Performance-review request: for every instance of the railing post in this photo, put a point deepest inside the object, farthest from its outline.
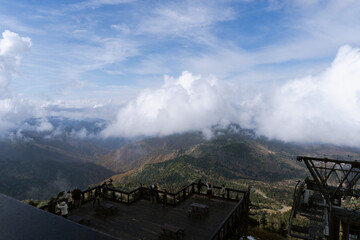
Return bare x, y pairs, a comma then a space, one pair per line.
247, 203
228, 193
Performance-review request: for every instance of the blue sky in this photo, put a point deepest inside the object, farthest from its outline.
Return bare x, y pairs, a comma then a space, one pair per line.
81, 46
108, 54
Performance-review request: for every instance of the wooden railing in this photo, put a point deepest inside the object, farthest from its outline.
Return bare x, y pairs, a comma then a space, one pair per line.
172, 198
114, 194
236, 221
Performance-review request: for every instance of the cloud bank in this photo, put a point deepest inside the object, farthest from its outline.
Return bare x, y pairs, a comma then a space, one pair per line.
321, 108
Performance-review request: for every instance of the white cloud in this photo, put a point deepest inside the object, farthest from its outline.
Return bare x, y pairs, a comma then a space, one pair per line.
6, 106
16, 136
189, 19
184, 104
113, 72
82, 133
38, 125
101, 53
123, 28
12, 47
319, 108
98, 3
113, 50
44, 125
81, 109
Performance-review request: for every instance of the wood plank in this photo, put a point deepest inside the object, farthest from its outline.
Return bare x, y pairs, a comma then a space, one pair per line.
143, 220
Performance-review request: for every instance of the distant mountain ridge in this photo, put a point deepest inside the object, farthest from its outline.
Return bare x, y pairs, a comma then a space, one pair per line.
233, 154
217, 159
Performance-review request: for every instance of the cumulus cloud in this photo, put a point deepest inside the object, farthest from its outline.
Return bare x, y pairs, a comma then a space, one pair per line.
81, 134
44, 125
12, 47
190, 102
323, 108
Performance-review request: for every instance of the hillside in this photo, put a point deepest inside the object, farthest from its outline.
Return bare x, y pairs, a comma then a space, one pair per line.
39, 164
41, 179
217, 161
33, 170
235, 158
247, 153
151, 150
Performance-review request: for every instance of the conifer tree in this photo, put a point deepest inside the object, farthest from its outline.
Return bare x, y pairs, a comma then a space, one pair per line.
282, 229
263, 220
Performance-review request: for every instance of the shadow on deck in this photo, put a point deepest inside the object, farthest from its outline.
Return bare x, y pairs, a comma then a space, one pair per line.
144, 220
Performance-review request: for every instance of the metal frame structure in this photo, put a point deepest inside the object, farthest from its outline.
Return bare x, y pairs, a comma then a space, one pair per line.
317, 201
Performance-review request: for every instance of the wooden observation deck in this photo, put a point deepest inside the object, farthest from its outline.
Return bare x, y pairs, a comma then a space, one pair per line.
131, 215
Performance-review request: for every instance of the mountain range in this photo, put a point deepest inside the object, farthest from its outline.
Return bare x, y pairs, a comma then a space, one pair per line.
56, 154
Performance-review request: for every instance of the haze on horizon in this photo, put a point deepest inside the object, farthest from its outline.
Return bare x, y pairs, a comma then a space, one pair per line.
290, 70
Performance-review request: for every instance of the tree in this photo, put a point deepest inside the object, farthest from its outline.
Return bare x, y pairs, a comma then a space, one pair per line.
282, 229
263, 220
33, 203
60, 195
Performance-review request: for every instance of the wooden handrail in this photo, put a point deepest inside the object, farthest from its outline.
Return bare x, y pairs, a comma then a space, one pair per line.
135, 190
217, 234
218, 230
190, 184
174, 196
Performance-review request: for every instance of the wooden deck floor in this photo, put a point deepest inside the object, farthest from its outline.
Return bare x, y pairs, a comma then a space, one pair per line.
143, 220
